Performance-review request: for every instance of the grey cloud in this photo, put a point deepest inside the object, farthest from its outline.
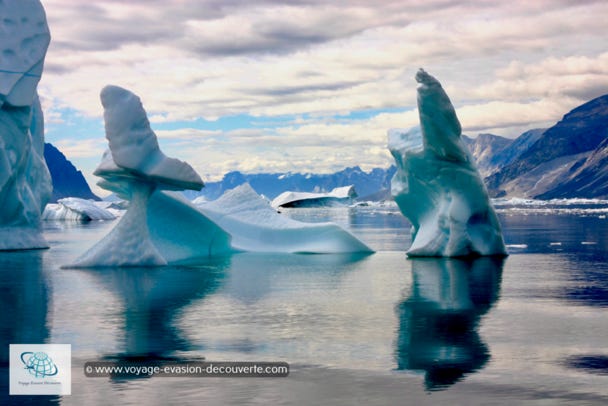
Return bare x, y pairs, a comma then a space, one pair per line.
588, 91
302, 89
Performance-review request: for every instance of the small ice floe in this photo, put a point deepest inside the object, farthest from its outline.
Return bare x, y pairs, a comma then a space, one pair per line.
555, 244
517, 246
588, 243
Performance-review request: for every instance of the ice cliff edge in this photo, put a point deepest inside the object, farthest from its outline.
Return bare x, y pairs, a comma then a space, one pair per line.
25, 182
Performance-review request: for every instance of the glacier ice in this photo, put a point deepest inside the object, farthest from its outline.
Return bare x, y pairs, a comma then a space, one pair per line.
136, 169
339, 195
25, 182
76, 209
437, 185
256, 226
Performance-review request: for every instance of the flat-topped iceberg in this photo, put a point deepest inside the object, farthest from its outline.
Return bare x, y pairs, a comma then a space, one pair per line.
437, 185
256, 226
338, 196
25, 182
76, 209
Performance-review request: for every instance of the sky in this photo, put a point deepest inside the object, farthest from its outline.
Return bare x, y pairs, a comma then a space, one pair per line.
308, 85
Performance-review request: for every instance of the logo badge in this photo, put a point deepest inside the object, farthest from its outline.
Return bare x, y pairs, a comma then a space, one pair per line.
39, 364
40, 369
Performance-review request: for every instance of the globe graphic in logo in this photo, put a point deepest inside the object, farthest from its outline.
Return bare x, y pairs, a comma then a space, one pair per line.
39, 364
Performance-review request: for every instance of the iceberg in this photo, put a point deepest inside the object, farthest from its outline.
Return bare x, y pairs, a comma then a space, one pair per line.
437, 185
76, 209
180, 232
161, 227
25, 182
157, 228
256, 226
338, 196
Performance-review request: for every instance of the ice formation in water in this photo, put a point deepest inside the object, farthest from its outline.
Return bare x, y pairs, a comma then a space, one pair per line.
25, 182
437, 185
255, 226
338, 196
76, 209
136, 169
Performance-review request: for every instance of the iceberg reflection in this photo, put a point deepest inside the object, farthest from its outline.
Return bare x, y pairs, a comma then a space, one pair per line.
25, 303
439, 321
154, 298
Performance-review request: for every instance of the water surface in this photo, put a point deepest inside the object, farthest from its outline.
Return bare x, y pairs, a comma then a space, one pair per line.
374, 329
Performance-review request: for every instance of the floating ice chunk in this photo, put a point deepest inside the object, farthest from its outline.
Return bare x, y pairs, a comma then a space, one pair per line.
156, 229
518, 246
437, 185
25, 182
339, 195
255, 226
75, 209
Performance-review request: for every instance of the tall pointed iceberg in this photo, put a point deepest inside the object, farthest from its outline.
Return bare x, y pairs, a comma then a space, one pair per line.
437, 185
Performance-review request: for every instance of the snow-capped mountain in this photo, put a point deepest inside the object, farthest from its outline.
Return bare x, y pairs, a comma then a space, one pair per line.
273, 184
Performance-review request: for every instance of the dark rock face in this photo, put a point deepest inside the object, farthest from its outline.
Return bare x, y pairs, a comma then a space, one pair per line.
67, 180
575, 146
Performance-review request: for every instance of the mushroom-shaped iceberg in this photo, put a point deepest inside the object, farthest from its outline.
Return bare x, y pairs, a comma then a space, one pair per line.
135, 168
437, 185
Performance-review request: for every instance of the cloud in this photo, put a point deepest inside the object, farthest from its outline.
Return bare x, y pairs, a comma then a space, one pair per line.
300, 67
88, 148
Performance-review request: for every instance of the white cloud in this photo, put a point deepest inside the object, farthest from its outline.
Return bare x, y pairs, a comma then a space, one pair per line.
506, 66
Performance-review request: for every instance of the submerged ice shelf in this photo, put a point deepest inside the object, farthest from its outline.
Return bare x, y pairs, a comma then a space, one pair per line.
437, 185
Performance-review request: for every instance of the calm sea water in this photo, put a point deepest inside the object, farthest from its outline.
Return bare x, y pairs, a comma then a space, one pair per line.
377, 329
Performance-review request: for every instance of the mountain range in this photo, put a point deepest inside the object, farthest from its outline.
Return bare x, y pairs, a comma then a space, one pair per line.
273, 184
567, 160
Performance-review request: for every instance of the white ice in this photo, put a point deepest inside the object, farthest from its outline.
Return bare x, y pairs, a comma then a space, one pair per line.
157, 228
134, 146
343, 194
76, 209
437, 185
25, 182
256, 226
